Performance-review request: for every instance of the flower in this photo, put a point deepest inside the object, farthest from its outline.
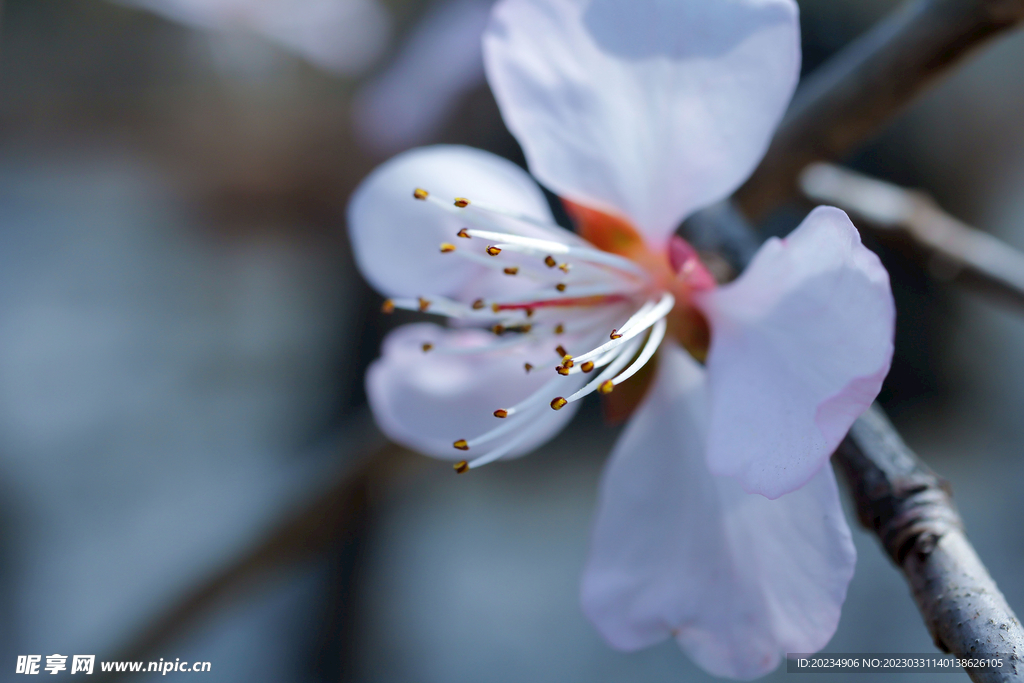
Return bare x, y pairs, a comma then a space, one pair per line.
719, 521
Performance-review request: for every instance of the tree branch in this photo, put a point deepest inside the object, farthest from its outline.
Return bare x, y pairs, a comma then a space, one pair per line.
954, 250
862, 87
911, 511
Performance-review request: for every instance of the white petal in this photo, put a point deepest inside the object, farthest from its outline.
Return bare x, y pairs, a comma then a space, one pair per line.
427, 401
649, 108
736, 578
396, 238
800, 344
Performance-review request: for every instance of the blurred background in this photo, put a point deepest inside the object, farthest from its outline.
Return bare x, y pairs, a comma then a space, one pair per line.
183, 337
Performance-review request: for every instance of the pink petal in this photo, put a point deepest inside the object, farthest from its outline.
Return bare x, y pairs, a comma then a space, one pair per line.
800, 344
427, 401
397, 239
736, 578
645, 109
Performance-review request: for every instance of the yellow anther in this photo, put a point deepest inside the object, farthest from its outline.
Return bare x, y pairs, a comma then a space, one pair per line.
562, 370
564, 267
461, 202
511, 270
560, 286
550, 261
420, 193
464, 233
558, 403
388, 306
427, 346
477, 305
528, 367
424, 304
587, 366
461, 467
498, 329
495, 307
567, 361
500, 413
493, 251
560, 350
529, 312
462, 445
606, 387
615, 335
559, 328
447, 247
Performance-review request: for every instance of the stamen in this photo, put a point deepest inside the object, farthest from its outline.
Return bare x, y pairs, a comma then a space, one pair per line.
639, 325
567, 361
587, 366
498, 329
478, 304
461, 202
558, 403
388, 307
427, 346
528, 367
420, 193
463, 233
493, 251
621, 358
562, 370
613, 335
559, 328
511, 270
560, 286
424, 304
606, 387
501, 413
461, 445
461, 467
550, 261
560, 350
447, 247
565, 267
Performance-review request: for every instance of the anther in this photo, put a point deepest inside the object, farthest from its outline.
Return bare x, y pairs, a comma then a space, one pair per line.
495, 307
420, 193
529, 312
528, 367
559, 328
498, 329
461, 202
562, 370
564, 267
560, 286
424, 304
511, 270
587, 366
615, 335
388, 306
447, 247
427, 346
550, 261
477, 305
462, 445
558, 403
461, 467
493, 251
501, 413
560, 350
464, 233
606, 387
567, 361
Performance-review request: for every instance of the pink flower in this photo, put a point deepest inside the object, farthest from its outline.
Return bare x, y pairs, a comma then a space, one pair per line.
719, 522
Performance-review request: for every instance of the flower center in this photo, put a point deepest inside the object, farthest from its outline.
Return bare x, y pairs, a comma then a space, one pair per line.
602, 305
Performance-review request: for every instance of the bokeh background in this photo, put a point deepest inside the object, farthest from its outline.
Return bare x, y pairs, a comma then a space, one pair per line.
183, 337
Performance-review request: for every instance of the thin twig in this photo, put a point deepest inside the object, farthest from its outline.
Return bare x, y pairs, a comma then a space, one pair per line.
911, 511
954, 249
860, 89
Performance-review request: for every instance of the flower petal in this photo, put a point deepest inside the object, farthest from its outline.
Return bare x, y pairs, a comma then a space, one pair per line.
396, 238
800, 344
736, 578
427, 401
648, 109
